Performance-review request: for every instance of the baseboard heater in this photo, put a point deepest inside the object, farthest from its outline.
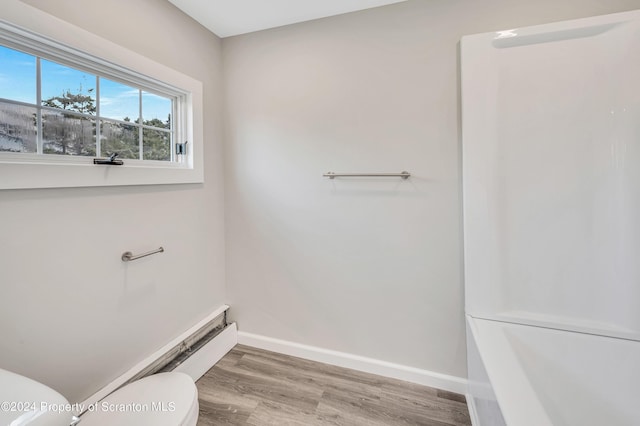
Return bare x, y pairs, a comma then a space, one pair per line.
194, 352
177, 355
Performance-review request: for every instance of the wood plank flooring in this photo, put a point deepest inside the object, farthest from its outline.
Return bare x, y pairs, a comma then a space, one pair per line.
255, 387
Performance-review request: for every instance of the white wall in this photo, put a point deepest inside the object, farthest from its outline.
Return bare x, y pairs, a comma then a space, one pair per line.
72, 315
331, 264
339, 264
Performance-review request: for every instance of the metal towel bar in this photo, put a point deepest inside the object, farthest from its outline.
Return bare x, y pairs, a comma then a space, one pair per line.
403, 175
128, 256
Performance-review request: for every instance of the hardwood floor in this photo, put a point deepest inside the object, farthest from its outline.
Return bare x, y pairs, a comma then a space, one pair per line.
254, 387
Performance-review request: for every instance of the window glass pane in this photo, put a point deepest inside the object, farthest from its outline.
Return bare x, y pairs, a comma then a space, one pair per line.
17, 75
68, 134
121, 138
156, 110
133, 123
156, 145
18, 129
68, 88
119, 101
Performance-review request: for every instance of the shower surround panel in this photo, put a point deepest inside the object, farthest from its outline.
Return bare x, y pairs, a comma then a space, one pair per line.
551, 155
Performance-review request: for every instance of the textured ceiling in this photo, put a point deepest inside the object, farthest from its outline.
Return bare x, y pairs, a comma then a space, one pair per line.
232, 17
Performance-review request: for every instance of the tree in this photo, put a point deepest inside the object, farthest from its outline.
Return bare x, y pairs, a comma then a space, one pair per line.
74, 134
69, 133
121, 138
156, 143
124, 139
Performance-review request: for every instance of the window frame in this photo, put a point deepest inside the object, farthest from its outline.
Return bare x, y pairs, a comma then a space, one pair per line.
79, 49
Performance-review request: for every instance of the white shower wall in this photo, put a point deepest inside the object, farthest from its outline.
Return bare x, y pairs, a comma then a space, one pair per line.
370, 267
551, 120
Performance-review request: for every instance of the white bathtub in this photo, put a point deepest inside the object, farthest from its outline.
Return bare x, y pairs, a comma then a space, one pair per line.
536, 376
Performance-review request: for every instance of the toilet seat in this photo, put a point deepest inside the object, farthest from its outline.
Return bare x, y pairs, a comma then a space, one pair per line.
164, 399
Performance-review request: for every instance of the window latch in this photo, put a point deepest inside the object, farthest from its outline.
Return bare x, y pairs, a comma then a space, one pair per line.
181, 148
109, 161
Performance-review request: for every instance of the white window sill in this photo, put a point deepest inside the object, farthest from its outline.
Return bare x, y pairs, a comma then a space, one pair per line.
16, 175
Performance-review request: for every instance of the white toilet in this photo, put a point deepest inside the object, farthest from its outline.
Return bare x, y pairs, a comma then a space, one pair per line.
165, 399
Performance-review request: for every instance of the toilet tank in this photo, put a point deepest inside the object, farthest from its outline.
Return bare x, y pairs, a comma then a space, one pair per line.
26, 402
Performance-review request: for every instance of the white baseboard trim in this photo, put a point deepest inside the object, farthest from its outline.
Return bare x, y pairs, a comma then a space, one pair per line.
356, 362
207, 356
133, 371
473, 412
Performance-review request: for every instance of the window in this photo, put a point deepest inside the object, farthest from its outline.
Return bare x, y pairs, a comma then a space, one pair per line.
61, 107
50, 108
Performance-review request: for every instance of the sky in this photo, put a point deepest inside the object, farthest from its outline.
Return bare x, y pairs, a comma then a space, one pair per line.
18, 83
